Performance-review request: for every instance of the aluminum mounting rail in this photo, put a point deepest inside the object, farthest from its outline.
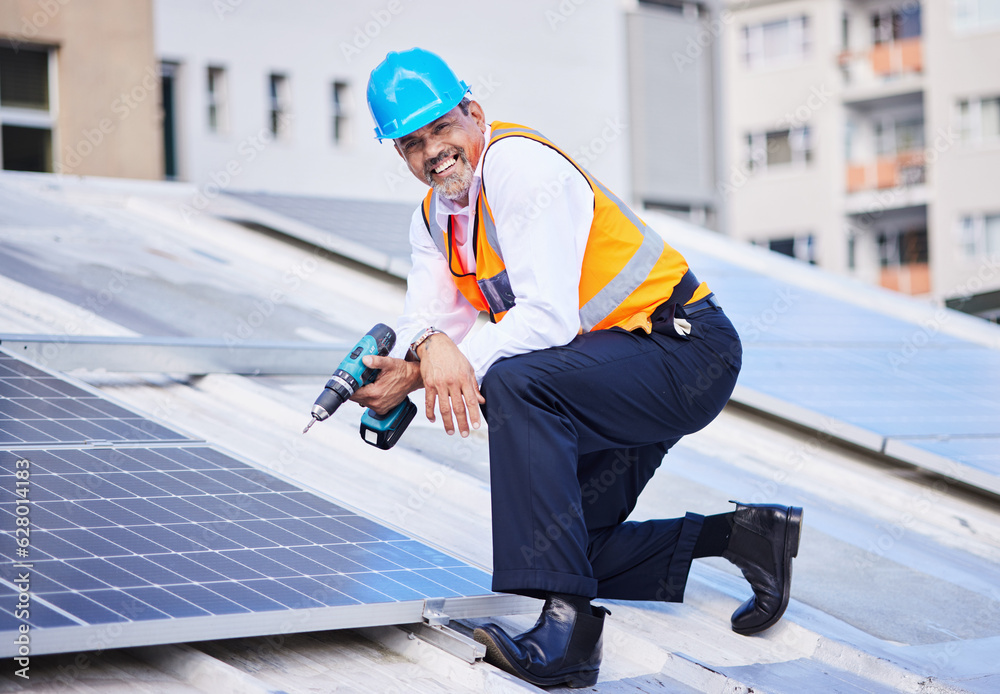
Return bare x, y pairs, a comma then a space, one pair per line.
176, 354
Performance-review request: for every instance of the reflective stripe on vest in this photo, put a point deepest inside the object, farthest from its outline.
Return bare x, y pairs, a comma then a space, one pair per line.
628, 270
490, 292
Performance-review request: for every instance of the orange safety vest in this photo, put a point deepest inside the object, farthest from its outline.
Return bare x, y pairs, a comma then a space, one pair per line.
628, 269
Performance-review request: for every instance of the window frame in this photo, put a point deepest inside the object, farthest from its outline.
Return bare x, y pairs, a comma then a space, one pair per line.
972, 235
217, 99
887, 25
968, 114
758, 148
803, 246
894, 244
340, 117
753, 44
35, 118
279, 107
966, 16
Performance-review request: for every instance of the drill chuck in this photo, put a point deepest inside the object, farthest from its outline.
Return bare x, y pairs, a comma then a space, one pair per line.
338, 390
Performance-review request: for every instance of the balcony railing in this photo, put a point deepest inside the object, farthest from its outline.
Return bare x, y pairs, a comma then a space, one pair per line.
897, 57
887, 171
883, 62
914, 278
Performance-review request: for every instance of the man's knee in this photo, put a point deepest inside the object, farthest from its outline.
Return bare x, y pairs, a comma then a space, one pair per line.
506, 386
509, 377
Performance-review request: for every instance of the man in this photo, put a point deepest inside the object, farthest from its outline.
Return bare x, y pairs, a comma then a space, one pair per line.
603, 350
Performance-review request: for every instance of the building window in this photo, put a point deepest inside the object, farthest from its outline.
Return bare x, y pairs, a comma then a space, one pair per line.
900, 161
903, 259
684, 7
776, 44
976, 14
850, 139
802, 247
909, 134
980, 235
169, 77
24, 79
897, 248
778, 148
218, 100
279, 113
979, 119
341, 112
895, 136
26, 120
895, 25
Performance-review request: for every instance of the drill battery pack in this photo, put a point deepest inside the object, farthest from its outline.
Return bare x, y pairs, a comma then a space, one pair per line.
382, 431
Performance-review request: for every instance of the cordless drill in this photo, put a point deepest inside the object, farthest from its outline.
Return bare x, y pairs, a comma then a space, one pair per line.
381, 431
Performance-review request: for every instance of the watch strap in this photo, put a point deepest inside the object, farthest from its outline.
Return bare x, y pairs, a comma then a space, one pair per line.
420, 340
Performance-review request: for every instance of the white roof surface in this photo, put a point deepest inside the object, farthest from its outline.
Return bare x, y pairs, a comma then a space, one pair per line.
897, 583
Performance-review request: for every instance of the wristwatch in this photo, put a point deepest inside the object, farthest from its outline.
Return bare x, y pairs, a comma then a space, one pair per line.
412, 353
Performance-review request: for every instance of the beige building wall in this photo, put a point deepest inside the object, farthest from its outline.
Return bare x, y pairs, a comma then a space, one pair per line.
796, 199
954, 186
105, 84
965, 176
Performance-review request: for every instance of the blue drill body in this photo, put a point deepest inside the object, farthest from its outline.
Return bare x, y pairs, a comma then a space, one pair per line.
381, 431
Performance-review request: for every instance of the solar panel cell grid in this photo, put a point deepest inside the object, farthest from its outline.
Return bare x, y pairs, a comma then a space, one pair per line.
39, 408
157, 527
111, 534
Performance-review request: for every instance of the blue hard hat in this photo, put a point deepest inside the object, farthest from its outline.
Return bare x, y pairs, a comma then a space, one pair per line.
410, 89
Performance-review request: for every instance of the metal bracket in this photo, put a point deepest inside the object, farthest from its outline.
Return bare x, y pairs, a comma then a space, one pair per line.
434, 613
447, 639
435, 630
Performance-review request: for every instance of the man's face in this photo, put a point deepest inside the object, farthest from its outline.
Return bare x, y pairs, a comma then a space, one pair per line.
444, 154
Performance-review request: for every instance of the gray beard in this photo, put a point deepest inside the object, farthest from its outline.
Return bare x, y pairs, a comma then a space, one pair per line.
456, 186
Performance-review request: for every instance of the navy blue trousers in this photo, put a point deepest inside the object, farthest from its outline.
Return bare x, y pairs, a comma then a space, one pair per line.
575, 434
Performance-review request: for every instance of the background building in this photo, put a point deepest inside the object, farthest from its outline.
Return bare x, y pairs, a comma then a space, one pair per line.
861, 135
251, 87
271, 96
962, 106
675, 108
864, 136
79, 88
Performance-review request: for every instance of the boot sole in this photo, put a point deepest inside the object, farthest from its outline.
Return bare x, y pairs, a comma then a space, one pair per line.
495, 655
793, 532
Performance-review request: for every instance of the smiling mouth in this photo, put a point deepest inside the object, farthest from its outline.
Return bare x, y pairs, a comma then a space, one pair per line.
447, 165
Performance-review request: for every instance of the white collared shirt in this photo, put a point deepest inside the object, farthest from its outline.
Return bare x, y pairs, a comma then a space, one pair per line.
543, 208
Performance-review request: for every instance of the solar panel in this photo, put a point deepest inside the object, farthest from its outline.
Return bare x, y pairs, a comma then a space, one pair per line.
37, 407
911, 386
170, 541
354, 226
972, 450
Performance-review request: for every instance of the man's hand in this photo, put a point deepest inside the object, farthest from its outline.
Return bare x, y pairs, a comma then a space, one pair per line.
397, 379
449, 380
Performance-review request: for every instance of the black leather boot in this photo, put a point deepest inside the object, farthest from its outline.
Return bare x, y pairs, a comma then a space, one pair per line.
564, 646
765, 537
